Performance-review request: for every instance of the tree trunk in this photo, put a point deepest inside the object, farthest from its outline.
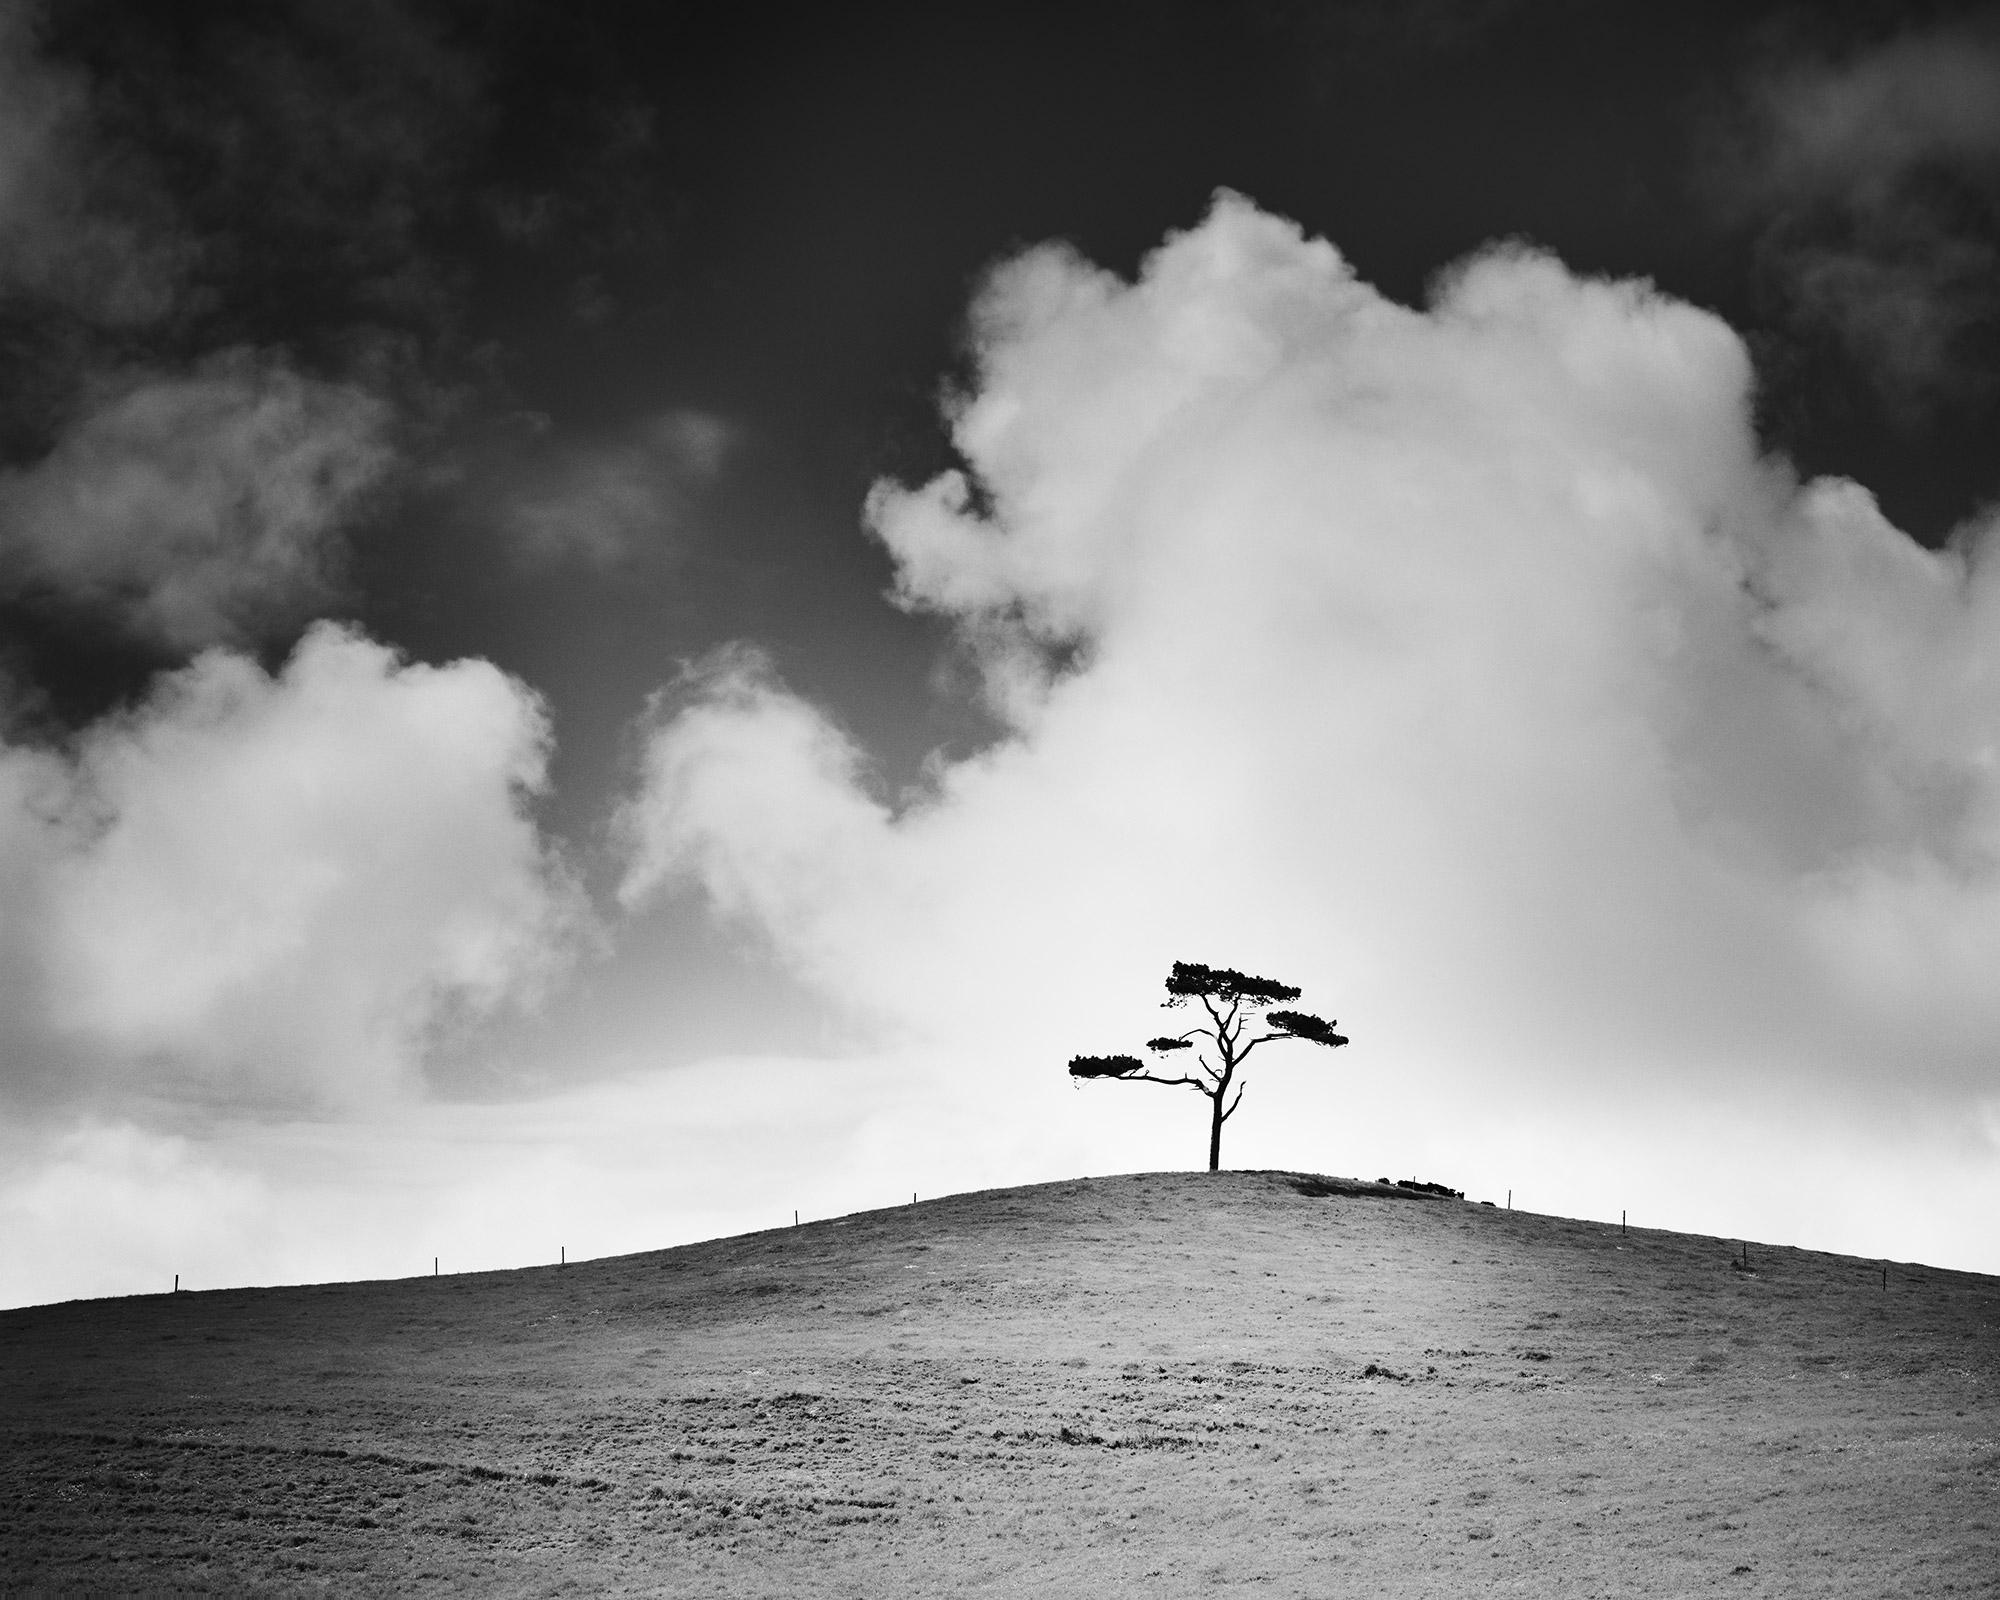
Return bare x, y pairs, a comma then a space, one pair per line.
1215, 1132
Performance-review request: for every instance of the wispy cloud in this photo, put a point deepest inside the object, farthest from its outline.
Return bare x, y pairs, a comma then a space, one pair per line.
614, 501
312, 151
170, 471
199, 507
1468, 665
275, 889
1875, 177
80, 225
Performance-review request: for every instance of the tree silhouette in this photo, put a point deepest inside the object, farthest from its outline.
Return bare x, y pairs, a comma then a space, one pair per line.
1235, 1004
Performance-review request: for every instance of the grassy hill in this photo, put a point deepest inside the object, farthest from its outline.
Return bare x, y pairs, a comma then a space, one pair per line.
1161, 1384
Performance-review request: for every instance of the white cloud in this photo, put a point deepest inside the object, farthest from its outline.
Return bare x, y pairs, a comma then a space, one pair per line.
201, 507
276, 889
736, 758
1467, 666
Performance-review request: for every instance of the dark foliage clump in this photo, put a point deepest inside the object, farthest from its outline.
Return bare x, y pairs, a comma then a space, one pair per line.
1418, 1186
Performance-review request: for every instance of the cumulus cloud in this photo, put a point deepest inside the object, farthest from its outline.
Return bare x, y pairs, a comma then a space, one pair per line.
276, 889
198, 507
729, 743
1878, 176
1468, 666
609, 504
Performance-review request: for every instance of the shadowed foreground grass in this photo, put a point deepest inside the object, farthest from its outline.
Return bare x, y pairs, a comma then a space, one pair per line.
1171, 1384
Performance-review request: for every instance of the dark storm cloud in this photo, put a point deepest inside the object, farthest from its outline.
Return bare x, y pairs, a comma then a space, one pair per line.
1874, 173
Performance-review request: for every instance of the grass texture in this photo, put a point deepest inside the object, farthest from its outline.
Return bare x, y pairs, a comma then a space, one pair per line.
1169, 1384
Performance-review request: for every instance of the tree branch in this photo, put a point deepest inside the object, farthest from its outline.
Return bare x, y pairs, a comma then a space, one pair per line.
1235, 1103
1171, 1083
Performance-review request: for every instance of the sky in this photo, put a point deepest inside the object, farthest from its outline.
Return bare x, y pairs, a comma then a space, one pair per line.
619, 622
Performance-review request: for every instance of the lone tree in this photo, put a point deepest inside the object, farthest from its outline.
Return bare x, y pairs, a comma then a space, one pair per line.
1235, 1005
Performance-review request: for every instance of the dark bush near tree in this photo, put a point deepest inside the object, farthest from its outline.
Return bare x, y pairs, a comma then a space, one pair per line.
1418, 1186
1235, 1004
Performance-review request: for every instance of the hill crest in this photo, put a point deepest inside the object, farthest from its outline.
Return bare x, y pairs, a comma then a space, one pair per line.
1123, 1384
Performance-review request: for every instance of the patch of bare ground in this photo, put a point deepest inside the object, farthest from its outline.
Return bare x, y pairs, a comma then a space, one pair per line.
1164, 1384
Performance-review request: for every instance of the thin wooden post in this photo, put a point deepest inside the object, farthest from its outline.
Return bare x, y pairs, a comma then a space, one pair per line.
1621, 1224
177, 1283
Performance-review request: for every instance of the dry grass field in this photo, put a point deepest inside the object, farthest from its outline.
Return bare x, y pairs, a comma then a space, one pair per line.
1169, 1384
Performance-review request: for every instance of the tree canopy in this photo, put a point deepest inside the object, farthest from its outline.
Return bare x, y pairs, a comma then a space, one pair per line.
1190, 980
1234, 1002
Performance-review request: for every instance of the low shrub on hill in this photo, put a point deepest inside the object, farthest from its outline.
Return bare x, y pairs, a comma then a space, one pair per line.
1417, 1186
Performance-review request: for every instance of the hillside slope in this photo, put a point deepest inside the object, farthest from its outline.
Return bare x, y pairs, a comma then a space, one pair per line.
1157, 1384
